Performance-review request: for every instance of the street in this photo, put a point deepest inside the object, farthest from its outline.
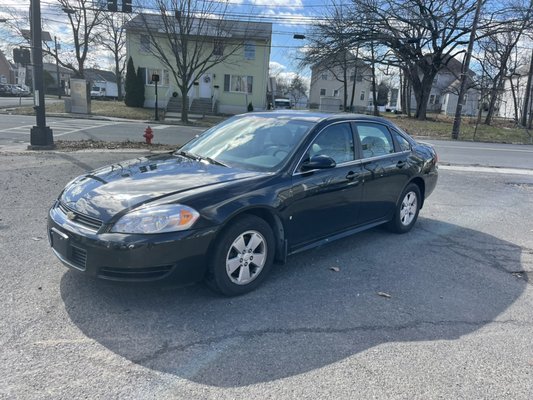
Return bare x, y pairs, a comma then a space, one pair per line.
15, 130
456, 322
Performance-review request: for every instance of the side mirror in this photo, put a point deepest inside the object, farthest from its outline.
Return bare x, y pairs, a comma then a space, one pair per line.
320, 161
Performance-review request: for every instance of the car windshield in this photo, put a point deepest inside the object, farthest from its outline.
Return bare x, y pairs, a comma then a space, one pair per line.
252, 142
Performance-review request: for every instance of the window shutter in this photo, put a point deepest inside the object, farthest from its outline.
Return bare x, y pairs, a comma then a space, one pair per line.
226, 83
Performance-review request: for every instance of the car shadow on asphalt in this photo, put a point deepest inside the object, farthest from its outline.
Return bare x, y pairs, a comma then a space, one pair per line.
444, 281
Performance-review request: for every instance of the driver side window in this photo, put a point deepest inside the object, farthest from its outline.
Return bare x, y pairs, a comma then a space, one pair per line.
335, 141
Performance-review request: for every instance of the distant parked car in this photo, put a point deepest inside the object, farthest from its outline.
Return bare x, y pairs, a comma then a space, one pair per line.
22, 90
253, 189
5, 90
282, 104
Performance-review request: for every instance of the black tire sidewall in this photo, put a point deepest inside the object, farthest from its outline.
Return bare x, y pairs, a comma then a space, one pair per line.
217, 278
396, 223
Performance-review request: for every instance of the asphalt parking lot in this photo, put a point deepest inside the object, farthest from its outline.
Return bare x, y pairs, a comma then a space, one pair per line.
458, 323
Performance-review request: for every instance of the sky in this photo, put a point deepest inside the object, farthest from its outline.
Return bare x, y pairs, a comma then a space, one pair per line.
289, 17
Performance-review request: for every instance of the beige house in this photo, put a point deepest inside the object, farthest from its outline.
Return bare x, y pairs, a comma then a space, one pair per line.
228, 87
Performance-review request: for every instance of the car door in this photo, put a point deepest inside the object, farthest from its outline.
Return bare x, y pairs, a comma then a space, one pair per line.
386, 171
326, 201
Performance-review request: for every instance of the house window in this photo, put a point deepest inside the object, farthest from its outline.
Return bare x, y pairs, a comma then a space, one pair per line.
218, 48
359, 78
465, 98
352, 78
432, 99
362, 97
322, 92
437, 99
249, 50
145, 43
238, 83
163, 76
335, 92
324, 77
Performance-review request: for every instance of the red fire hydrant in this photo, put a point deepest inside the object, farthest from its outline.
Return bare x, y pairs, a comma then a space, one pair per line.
148, 135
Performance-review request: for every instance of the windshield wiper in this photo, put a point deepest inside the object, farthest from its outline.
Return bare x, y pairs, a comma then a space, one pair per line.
200, 158
212, 161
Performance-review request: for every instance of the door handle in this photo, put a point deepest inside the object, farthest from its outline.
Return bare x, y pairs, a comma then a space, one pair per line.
351, 175
400, 164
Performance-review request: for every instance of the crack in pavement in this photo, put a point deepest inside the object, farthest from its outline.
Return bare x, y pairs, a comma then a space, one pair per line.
167, 348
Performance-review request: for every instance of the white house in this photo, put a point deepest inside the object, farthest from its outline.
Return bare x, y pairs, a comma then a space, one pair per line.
327, 86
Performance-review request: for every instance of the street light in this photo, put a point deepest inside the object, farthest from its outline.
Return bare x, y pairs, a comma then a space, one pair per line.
298, 36
41, 137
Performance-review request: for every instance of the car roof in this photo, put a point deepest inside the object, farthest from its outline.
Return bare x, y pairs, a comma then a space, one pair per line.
315, 116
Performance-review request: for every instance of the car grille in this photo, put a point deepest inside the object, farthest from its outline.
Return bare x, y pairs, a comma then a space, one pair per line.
81, 219
78, 257
135, 274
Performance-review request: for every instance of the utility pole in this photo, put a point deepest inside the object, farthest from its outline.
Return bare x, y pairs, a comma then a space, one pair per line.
41, 135
464, 73
527, 97
57, 69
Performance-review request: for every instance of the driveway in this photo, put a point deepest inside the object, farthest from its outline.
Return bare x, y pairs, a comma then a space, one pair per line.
444, 311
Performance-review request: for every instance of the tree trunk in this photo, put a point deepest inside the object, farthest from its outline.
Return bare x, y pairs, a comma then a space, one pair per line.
422, 89
492, 102
119, 80
527, 95
345, 89
184, 105
353, 89
515, 100
408, 90
374, 94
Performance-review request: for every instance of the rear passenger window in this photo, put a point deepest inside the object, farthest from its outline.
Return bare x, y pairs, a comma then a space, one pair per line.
402, 142
376, 139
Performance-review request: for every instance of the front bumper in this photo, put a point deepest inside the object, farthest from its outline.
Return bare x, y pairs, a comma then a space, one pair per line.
125, 257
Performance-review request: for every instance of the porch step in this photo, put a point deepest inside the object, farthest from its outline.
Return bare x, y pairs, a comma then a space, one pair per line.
199, 106
202, 106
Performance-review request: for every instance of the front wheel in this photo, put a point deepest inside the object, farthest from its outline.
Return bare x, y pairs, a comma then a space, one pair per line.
242, 257
407, 210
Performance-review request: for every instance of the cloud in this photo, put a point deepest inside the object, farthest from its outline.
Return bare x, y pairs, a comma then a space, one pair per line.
276, 67
294, 4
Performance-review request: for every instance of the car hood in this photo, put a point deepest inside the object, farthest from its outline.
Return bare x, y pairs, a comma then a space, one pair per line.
107, 191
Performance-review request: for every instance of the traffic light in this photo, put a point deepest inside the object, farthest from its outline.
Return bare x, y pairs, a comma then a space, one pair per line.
112, 5
21, 56
126, 6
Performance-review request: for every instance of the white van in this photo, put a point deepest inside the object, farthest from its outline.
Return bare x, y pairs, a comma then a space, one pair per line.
282, 104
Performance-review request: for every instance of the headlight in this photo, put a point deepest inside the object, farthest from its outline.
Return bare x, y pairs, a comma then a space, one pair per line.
158, 219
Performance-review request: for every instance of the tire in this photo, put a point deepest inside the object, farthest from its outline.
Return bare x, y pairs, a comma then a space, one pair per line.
407, 210
242, 257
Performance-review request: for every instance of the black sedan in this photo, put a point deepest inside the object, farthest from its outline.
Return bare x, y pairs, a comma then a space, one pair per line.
247, 192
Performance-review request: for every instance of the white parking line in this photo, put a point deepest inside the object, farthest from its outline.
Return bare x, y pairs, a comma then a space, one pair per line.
64, 127
508, 171
500, 150
161, 126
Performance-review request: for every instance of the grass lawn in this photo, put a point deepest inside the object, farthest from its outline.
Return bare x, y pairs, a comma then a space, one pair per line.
98, 107
440, 127
436, 126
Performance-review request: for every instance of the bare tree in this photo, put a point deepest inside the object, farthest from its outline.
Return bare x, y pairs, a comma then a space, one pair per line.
331, 48
113, 39
187, 39
83, 18
423, 37
499, 47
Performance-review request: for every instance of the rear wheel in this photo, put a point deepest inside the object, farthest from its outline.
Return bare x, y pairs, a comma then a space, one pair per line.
407, 210
242, 257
